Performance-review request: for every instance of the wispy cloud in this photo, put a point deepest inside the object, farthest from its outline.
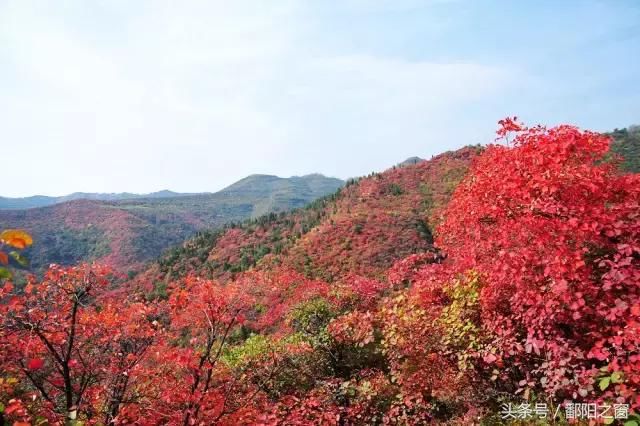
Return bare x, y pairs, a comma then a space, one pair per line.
139, 96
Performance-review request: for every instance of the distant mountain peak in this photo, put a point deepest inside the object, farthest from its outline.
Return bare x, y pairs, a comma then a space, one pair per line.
410, 161
262, 182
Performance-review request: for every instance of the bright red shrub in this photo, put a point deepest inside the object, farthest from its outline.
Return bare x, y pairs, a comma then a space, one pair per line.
195, 386
554, 231
71, 345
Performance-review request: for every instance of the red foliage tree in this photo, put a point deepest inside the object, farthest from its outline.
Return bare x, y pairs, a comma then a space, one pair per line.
187, 382
554, 231
74, 349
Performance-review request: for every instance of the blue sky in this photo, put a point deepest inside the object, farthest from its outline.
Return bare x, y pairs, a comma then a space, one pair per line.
110, 96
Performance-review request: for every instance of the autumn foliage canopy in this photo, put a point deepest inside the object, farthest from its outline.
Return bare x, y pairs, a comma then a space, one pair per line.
531, 291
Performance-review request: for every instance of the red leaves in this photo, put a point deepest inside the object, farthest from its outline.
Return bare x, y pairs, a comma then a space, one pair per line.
558, 218
69, 330
598, 353
57, 381
354, 328
489, 358
507, 125
204, 303
35, 364
15, 406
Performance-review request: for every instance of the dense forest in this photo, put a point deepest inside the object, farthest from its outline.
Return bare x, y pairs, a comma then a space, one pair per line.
438, 291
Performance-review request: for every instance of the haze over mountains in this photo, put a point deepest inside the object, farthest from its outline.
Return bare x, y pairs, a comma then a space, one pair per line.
128, 229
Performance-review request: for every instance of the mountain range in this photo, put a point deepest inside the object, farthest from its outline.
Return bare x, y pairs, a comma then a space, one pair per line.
360, 229
126, 230
34, 201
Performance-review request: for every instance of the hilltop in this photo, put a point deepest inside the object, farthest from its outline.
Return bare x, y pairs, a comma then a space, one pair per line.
361, 229
411, 160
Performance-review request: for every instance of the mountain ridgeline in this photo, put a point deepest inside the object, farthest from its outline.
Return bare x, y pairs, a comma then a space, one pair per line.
35, 201
361, 229
127, 233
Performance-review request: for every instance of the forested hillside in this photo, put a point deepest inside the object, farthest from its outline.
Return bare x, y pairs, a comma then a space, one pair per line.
125, 234
361, 229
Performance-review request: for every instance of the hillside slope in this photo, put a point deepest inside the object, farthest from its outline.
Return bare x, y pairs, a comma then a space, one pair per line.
127, 233
361, 229
368, 322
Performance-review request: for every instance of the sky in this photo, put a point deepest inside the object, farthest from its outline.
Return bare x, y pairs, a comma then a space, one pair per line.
139, 96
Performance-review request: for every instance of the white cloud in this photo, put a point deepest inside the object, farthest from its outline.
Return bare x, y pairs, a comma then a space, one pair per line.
194, 95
